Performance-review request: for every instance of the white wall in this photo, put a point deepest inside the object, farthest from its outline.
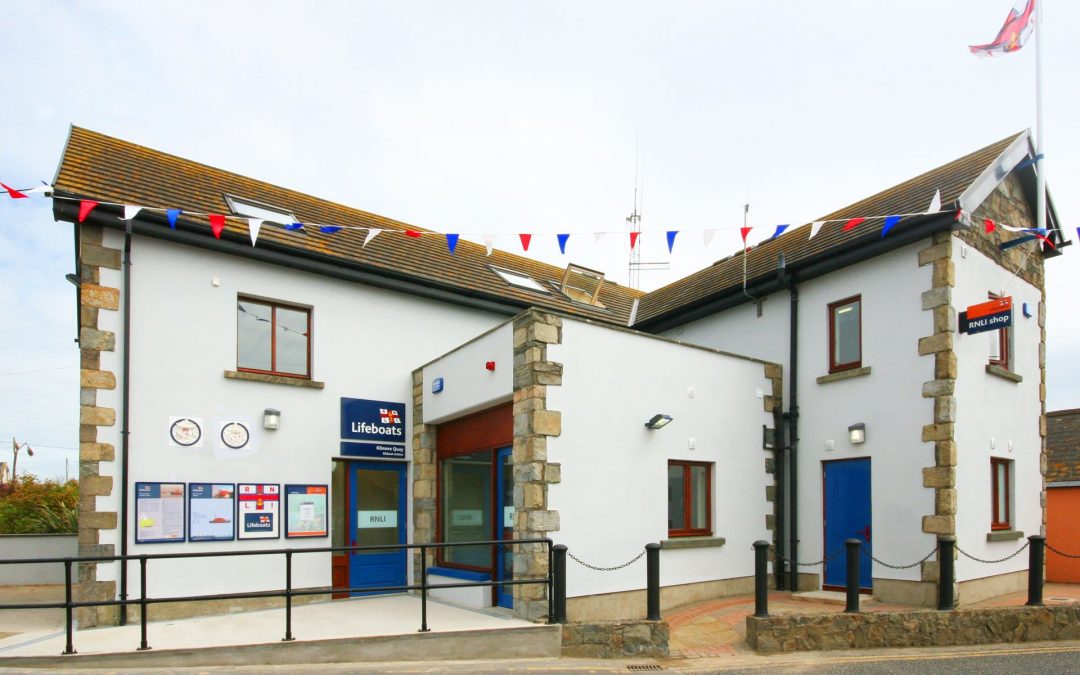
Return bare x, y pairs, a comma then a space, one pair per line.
22, 546
995, 417
366, 344
468, 385
613, 496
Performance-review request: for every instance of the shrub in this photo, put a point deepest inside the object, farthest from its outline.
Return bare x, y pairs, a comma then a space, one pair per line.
32, 506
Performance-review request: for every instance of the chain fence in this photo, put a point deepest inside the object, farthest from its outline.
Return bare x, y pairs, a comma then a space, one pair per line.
1063, 554
899, 567
597, 568
994, 562
826, 559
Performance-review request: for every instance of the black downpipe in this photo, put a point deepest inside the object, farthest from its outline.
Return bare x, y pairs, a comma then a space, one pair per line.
125, 429
781, 488
788, 282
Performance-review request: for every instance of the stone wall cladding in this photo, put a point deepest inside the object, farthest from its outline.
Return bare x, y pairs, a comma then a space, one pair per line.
533, 424
839, 630
94, 299
774, 403
1063, 446
616, 639
423, 476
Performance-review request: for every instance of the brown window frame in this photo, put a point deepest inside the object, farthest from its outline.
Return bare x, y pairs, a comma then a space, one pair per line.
274, 306
835, 367
687, 500
997, 521
1003, 342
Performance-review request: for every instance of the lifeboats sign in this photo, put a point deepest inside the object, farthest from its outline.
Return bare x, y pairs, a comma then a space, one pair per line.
372, 428
992, 315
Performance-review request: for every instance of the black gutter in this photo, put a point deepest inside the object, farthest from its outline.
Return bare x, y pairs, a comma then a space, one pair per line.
125, 428
828, 261
792, 446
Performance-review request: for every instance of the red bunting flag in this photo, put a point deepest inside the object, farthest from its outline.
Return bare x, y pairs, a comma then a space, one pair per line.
744, 231
412, 233
989, 225
217, 224
1044, 239
85, 207
13, 193
853, 223
633, 239
525, 239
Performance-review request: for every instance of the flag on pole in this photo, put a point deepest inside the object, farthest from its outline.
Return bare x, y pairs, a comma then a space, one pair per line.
1013, 33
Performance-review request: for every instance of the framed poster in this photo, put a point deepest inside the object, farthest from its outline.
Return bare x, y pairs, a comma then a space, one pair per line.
159, 513
305, 511
259, 514
210, 511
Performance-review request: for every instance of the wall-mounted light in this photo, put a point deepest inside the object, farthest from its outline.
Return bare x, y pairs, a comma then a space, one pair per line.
73, 279
658, 421
271, 419
857, 433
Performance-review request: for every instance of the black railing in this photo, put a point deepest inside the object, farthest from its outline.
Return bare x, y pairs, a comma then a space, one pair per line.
551, 582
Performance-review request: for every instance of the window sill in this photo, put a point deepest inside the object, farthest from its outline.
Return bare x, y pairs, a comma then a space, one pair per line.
1004, 535
1003, 372
273, 379
692, 542
844, 375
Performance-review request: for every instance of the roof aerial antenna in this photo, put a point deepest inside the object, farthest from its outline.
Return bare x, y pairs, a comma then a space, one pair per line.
634, 222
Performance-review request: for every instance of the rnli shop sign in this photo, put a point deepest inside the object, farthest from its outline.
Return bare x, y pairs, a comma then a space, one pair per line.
992, 315
372, 428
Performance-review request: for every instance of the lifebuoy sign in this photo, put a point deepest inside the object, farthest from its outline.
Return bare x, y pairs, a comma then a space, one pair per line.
992, 315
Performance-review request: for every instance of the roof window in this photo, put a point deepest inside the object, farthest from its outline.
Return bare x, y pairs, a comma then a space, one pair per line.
582, 285
253, 209
518, 279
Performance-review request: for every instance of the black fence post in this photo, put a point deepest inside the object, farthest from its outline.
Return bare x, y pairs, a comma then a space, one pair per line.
423, 590
558, 581
946, 572
1036, 558
853, 546
761, 578
69, 648
652, 580
143, 646
288, 597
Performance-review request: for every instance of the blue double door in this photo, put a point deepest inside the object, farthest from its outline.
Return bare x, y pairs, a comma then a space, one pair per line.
377, 516
847, 516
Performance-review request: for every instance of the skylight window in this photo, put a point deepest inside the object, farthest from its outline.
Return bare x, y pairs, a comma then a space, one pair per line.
519, 280
253, 209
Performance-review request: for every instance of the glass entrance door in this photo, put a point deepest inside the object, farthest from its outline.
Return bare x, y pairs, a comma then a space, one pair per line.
377, 516
504, 558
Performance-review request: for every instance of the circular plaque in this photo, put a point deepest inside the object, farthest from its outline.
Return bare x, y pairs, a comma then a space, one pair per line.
235, 435
185, 431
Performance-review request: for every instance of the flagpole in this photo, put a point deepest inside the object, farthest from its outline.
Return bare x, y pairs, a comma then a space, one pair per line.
1040, 173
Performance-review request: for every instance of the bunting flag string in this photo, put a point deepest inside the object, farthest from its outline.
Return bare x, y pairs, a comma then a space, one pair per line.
254, 225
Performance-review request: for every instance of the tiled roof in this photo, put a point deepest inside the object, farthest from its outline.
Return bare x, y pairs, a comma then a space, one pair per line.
112, 170
1063, 446
911, 196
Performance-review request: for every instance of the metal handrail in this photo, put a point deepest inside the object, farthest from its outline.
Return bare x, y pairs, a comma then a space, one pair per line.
288, 592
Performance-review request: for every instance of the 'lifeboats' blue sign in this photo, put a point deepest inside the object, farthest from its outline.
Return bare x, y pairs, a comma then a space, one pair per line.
372, 428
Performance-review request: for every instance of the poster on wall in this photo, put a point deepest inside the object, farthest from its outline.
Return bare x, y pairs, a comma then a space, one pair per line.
259, 514
210, 511
159, 513
185, 432
305, 511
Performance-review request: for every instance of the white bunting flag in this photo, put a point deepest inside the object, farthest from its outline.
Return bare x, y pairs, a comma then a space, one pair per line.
708, 236
489, 242
814, 227
130, 212
371, 234
253, 228
43, 190
935, 203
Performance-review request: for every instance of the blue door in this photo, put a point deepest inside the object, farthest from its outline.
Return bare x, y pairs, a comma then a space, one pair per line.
847, 516
504, 524
377, 516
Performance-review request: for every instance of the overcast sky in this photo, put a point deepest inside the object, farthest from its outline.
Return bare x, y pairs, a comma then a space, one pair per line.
496, 117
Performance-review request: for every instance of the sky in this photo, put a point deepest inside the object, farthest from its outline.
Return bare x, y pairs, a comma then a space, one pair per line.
498, 118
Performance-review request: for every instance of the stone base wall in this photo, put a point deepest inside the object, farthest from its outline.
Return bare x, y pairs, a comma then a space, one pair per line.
634, 605
901, 592
615, 639
838, 630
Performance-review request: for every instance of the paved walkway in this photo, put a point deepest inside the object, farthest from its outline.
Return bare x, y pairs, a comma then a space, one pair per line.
718, 627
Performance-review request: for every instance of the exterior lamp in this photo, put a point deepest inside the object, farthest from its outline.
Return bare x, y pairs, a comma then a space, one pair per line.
658, 421
857, 433
271, 419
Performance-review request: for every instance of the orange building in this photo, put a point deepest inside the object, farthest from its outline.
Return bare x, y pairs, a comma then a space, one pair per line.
1063, 495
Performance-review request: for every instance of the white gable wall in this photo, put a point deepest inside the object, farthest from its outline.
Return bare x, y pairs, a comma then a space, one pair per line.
468, 385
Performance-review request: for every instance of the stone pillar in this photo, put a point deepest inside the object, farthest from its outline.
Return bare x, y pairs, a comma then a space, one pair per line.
423, 476
774, 403
941, 432
533, 424
94, 299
